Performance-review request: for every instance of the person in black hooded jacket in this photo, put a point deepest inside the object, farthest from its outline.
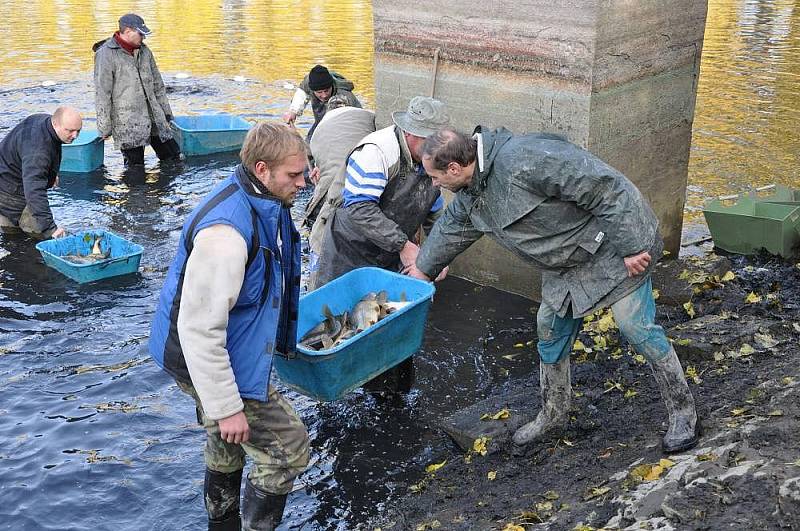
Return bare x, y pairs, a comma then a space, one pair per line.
30, 156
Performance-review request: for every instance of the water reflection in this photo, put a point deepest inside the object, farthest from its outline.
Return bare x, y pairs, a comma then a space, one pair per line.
748, 102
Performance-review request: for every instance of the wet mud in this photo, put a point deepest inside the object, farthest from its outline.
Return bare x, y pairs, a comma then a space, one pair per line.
743, 474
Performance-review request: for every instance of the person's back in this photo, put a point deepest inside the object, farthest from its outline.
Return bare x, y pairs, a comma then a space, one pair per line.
337, 135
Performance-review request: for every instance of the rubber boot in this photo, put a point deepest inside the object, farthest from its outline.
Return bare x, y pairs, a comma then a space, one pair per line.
684, 430
556, 390
221, 492
261, 511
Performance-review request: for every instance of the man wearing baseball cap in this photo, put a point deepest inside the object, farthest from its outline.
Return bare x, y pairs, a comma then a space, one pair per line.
130, 97
319, 85
387, 198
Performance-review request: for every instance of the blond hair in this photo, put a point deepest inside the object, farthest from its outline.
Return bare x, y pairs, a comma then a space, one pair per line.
270, 143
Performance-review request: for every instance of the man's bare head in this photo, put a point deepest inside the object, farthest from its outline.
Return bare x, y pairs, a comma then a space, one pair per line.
67, 122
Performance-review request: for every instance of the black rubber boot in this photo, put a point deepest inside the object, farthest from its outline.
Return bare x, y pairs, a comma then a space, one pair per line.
261, 511
222, 492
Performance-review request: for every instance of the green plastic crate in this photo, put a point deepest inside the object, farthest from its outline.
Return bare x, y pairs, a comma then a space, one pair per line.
778, 194
749, 225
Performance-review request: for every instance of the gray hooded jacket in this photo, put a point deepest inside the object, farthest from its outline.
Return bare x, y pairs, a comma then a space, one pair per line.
554, 205
130, 97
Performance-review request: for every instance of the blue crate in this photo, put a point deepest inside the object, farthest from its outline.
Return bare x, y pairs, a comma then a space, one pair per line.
124, 257
85, 154
209, 133
329, 374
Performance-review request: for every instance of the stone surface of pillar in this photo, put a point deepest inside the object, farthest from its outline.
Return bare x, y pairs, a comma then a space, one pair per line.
614, 76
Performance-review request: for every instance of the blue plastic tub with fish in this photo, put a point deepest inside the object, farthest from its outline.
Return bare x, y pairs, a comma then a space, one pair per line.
91, 255
209, 133
329, 374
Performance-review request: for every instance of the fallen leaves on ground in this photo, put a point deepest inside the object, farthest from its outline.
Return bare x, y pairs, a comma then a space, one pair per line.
492, 475
480, 445
752, 298
689, 307
435, 524
651, 471
691, 374
435, 466
500, 415
595, 492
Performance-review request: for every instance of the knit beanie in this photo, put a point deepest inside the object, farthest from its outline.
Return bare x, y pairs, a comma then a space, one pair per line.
319, 78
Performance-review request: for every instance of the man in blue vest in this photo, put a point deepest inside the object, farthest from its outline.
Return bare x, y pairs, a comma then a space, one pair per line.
228, 304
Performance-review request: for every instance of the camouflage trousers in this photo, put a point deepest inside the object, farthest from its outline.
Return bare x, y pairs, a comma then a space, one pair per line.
278, 444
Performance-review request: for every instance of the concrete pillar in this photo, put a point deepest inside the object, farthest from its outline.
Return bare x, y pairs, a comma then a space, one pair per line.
617, 77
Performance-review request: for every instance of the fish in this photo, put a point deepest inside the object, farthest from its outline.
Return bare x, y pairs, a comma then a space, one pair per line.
369, 310
336, 329
94, 256
325, 333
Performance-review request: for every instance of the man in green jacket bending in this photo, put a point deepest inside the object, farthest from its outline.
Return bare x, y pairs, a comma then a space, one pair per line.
588, 229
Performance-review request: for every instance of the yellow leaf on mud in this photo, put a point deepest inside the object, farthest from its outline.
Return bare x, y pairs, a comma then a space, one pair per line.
551, 495
684, 275
544, 508
766, 340
746, 350
577, 394
707, 457
568, 443
719, 356
640, 359
752, 298
611, 385
739, 411
435, 466
787, 380
666, 463
479, 445
435, 524
595, 492
583, 527
689, 307
654, 473
682, 342
691, 374
617, 354
727, 277
656, 294
579, 346
510, 357
500, 415
417, 487
796, 327
600, 342
775, 413
513, 527
630, 393
519, 345
492, 475
607, 322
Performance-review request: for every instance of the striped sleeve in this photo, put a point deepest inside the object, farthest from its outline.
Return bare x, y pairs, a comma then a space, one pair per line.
365, 177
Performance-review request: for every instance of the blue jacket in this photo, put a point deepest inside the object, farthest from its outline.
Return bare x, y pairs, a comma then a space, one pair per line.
264, 319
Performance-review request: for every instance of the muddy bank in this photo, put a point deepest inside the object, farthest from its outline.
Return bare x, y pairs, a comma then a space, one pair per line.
605, 471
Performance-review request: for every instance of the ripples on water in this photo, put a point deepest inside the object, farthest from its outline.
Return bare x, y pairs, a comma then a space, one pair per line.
93, 435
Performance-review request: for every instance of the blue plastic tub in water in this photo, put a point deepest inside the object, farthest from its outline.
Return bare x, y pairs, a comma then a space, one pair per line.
123, 259
85, 154
209, 133
329, 374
